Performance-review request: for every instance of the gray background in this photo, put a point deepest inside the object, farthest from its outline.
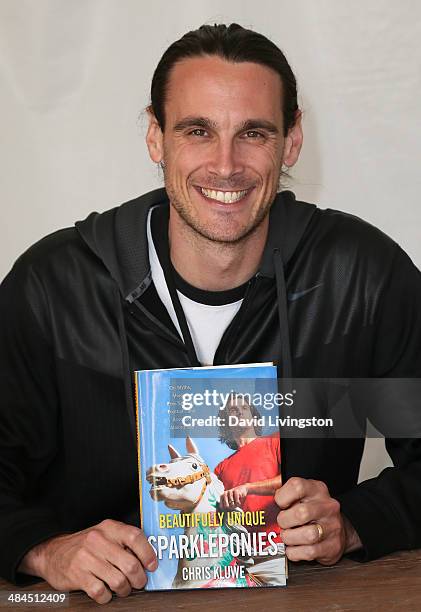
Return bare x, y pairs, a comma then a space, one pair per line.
75, 76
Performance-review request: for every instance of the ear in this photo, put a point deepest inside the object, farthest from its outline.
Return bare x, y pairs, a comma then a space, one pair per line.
293, 142
154, 138
191, 446
174, 454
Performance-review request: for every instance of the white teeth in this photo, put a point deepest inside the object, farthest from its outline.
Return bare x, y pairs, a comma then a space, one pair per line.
226, 197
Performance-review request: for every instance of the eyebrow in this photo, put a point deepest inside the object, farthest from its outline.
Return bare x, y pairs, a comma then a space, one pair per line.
206, 123
188, 122
256, 124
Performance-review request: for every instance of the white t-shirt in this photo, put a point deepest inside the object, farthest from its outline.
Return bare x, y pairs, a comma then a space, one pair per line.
206, 323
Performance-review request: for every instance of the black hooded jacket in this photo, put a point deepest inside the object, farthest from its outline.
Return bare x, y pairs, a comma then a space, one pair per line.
334, 297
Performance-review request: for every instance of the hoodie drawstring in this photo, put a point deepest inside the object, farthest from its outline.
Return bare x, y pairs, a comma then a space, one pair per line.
286, 359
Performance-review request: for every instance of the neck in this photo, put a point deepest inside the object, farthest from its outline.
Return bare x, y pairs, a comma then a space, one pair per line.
210, 265
245, 438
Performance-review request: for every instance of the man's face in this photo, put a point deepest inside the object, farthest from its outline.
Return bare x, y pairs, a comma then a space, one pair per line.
223, 145
238, 407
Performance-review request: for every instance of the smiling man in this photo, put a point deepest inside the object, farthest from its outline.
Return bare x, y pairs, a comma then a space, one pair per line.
223, 147
222, 165
220, 267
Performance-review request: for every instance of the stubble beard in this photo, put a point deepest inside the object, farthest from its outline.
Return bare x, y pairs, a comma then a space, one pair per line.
207, 232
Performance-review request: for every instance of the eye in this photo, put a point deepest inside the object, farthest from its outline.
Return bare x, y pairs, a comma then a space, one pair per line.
198, 132
252, 134
194, 466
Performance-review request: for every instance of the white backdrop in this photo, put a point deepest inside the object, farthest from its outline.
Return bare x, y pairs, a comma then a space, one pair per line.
75, 77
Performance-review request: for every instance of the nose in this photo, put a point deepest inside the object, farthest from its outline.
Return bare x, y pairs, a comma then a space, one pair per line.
225, 159
162, 467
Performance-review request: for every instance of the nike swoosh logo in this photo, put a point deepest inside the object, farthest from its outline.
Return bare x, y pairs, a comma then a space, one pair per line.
298, 294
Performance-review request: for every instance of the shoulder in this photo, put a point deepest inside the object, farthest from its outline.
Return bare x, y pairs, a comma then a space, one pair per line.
52, 259
63, 243
271, 442
332, 239
56, 270
352, 234
222, 465
346, 247
345, 232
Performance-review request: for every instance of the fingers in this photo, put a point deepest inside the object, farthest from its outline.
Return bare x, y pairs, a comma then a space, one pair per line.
116, 569
305, 512
237, 498
131, 567
224, 501
134, 539
110, 576
303, 544
120, 559
327, 552
297, 489
303, 553
109, 557
302, 536
94, 575
227, 499
96, 590
307, 535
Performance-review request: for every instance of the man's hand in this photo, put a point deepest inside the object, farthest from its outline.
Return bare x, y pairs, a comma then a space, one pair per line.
110, 556
305, 503
233, 497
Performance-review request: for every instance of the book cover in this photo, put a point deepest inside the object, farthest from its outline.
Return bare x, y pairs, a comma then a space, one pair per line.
209, 464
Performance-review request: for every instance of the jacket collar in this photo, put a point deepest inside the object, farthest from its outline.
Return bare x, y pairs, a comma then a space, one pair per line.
119, 237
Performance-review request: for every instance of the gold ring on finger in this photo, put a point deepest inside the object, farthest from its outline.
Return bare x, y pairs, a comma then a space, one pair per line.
320, 532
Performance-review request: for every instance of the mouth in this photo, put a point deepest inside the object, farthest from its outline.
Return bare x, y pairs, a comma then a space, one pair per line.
156, 482
225, 198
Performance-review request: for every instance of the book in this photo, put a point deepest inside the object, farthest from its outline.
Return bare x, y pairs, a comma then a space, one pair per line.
209, 464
